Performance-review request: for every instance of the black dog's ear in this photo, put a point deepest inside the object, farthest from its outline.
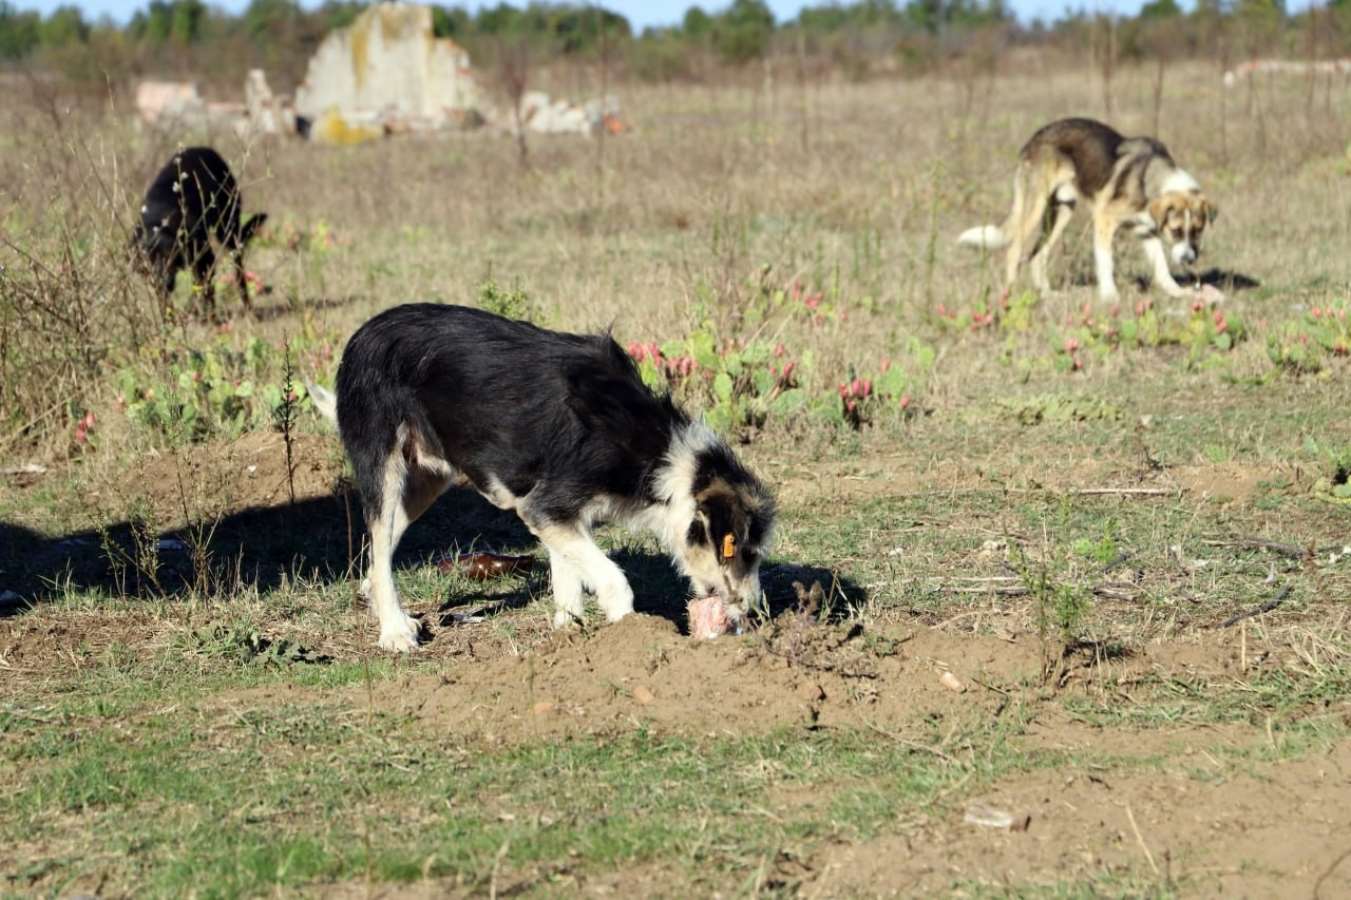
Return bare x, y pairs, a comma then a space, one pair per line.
250, 229
719, 510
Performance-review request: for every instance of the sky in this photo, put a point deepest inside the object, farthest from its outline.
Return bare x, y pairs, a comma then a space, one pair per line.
640, 13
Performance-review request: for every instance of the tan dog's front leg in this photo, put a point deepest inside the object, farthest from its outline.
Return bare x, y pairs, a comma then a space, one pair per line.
1163, 276
1104, 229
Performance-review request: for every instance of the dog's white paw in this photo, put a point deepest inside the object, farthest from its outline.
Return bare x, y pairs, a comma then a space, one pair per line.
400, 637
616, 603
564, 619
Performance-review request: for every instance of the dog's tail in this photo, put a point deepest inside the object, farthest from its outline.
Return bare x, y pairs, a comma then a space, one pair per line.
324, 402
985, 237
249, 230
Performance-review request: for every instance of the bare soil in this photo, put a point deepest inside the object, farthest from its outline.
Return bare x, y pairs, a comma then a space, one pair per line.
1274, 830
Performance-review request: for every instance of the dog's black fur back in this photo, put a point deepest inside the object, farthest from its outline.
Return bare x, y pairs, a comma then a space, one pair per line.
194, 197
1093, 148
505, 400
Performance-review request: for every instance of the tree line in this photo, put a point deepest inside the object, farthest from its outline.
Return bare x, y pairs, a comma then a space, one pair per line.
191, 37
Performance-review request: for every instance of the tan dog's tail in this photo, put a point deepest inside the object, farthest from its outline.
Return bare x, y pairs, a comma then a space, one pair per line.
997, 237
985, 237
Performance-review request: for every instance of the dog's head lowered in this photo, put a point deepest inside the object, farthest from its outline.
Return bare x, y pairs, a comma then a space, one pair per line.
1181, 218
722, 520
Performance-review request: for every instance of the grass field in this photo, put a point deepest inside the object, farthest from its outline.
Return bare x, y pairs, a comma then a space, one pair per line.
1123, 532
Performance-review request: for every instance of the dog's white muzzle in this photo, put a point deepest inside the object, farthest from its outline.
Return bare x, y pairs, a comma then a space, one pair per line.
1184, 254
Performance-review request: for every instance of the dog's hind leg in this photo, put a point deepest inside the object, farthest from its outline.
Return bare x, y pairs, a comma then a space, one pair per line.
1029, 208
405, 491
386, 522
580, 561
204, 273
1063, 212
242, 279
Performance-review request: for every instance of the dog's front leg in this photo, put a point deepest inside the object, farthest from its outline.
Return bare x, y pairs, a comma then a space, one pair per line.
1163, 276
596, 570
567, 585
1103, 232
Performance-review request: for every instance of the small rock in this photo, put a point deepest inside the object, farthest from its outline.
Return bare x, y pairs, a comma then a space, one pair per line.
992, 549
643, 695
987, 816
542, 708
952, 682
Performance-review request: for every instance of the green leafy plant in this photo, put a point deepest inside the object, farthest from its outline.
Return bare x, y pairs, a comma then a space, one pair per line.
1336, 464
207, 393
1304, 346
246, 645
510, 303
741, 385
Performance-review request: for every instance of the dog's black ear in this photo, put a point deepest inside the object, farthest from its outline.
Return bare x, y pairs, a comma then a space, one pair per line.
721, 513
250, 228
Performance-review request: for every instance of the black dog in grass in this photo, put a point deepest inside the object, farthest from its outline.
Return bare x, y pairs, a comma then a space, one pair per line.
557, 427
193, 197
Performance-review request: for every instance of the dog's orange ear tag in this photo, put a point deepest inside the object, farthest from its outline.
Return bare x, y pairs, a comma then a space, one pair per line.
728, 546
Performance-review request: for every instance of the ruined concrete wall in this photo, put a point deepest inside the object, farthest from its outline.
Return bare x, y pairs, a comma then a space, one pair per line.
387, 65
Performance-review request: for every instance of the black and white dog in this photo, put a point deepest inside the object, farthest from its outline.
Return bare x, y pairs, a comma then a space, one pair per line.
193, 197
558, 427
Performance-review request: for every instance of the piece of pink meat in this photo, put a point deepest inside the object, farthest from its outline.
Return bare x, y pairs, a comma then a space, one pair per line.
709, 618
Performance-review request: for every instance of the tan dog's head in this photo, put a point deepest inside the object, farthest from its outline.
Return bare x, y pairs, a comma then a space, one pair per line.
1181, 217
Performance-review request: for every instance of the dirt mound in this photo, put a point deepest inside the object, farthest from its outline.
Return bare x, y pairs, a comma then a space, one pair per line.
641, 673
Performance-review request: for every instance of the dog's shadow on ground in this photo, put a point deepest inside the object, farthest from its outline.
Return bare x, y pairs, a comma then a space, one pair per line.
1223, 280
319, 540
660, 591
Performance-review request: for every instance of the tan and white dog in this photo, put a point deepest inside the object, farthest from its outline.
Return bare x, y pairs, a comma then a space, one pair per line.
1126, 182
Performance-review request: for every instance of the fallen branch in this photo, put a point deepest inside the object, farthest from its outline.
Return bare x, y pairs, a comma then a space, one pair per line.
25, 469
1140, 839
1257, 542
1127, 492
1264, 608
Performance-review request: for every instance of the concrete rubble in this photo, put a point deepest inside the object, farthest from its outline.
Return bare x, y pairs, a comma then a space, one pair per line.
1286, 67
267, 114
388, 69
539, 113
160, 102
385, 74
